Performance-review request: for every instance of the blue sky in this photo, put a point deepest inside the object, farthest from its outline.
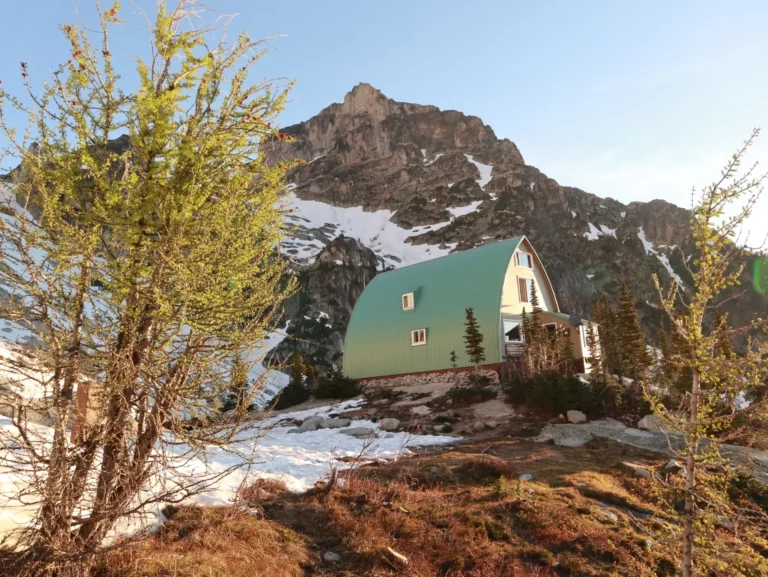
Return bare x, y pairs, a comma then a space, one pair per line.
634, 100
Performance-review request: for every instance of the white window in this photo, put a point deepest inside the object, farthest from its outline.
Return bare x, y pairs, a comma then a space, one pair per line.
407, 301
525, 287
512, 331
524, 259
418, 337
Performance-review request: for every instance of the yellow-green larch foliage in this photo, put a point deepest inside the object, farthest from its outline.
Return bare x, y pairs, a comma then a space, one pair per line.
716, 383
140, 243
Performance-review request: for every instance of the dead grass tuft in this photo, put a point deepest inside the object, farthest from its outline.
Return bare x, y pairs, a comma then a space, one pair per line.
210, 542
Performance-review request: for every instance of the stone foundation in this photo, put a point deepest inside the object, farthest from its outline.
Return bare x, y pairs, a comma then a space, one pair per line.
460, 377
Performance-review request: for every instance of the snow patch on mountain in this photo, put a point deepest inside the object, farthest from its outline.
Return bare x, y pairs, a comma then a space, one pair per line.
663, 258
596, 232
317, 223
485, 171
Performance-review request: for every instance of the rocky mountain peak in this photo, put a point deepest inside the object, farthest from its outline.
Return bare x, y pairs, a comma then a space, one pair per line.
413, 182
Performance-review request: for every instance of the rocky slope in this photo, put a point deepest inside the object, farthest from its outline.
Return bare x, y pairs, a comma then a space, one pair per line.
413, 182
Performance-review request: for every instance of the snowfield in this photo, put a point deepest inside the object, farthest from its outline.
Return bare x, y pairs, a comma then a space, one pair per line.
266, 450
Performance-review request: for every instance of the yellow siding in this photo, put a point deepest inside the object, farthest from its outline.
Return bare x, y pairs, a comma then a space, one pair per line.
510, 300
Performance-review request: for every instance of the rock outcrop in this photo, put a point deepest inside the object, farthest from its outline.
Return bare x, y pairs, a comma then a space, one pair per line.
452, 184
319, 312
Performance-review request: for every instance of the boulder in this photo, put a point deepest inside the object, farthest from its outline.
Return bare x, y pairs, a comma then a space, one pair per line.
445, 417
359, 432
478, 426
650, 423
491, 424
336, 423
576, 417
312, 424
446, 428
564, 435
526, 477
389, 424
673, 467
636, 470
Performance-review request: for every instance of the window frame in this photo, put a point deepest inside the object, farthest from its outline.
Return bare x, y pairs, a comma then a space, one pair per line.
418, 333
520, 262
411, 300
519, 327
527, 299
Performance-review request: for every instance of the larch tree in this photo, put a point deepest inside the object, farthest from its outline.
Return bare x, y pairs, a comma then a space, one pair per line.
713, 372
141, 267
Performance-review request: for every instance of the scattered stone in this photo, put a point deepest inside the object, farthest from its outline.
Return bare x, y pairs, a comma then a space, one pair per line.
389, 436
445, 417
312, 424
576, 417
443, 428
293, 431
724, 523
435, 469
332, 557
564, 435
359, 432
337, 423
650, 423
421, 410
396, 558
608, 515
493, 409
636, 470
478, 426
673, 467
526, 477
389, 424
371, 412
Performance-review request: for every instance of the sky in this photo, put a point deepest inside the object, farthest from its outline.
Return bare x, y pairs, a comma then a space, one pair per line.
632, 100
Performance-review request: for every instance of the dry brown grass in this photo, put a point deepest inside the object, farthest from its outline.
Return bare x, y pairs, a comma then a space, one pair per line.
462, 513
211, 542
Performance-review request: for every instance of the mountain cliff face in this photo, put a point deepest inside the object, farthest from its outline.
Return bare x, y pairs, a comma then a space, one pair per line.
413, 182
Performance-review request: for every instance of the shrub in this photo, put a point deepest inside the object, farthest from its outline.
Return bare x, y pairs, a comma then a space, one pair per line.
292, 394
476, 388
334, 385
553, 393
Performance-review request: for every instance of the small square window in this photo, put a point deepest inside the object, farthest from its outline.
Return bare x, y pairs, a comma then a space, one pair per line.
408, 301
418, 337
525, 259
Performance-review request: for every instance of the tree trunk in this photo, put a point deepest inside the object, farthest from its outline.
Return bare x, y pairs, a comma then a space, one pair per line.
689, 516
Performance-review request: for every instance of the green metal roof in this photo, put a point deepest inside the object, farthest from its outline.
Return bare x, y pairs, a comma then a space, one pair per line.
378, 340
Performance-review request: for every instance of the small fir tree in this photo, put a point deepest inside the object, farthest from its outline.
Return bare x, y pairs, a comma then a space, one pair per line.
473, 339
608, 335
633, 352
454, 365
595, 356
